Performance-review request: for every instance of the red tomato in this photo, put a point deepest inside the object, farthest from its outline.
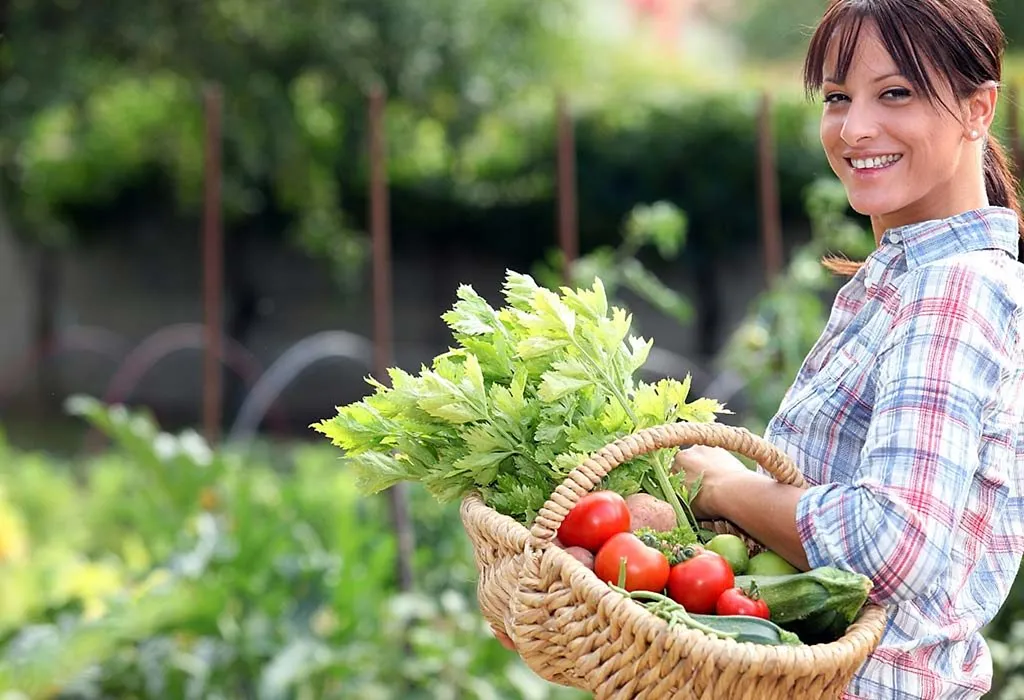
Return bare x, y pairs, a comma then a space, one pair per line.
595, 518
697, 583
735, 601
647, 569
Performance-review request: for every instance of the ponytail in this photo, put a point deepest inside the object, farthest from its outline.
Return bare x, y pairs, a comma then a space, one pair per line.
1002, 186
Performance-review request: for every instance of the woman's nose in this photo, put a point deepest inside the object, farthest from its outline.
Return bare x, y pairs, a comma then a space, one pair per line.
860, 123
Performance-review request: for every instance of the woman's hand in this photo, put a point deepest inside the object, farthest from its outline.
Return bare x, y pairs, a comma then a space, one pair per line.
754, 502
505, 640
716, 465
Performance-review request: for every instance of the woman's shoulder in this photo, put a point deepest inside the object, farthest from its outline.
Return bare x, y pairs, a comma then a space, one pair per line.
970, 278
980, 290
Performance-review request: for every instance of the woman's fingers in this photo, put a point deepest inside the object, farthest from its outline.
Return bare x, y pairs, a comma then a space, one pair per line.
505, 640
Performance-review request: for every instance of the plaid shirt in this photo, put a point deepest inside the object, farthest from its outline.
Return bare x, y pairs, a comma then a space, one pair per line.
906, 420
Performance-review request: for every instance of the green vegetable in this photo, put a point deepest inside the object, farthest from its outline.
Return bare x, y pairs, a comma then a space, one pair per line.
803, 596
825, 626
673, 544
738, 627
733, 548
750, 629
527, 393
769, 563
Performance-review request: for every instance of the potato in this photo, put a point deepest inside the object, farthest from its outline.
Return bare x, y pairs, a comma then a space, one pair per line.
647, 511
584, 556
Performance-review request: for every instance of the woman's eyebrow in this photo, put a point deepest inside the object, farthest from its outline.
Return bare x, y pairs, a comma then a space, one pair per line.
887, 76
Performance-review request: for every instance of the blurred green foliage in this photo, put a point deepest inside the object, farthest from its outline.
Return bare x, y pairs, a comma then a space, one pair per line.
779, 29
161, 568
769, 345
100, 99
1011, 16
661, 226
491, 187
104, 117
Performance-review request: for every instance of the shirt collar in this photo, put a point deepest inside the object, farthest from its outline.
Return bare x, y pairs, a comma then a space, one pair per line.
978, 229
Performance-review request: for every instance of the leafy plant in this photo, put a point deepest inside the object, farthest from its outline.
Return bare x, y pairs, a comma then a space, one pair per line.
531, 390
1008, 656
277, 580
661, 225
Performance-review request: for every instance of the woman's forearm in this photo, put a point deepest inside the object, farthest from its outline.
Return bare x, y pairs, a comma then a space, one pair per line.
763, 508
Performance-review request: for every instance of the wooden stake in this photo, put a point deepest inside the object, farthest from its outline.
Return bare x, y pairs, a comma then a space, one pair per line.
380, 232
568, 220
213, 266
771, 220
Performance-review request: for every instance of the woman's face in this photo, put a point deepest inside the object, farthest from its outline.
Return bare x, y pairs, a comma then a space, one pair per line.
901, 158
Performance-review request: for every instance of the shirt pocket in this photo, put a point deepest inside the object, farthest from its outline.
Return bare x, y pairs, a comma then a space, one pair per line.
837, 395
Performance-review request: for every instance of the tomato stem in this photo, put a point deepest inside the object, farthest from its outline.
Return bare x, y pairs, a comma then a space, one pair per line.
622, 572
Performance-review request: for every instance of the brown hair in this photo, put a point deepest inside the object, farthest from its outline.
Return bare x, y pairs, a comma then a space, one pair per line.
960, 39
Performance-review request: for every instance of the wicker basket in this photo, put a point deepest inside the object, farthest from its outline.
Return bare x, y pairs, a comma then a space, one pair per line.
572, 629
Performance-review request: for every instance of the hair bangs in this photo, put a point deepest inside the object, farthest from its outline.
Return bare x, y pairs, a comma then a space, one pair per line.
842, 26
842, 21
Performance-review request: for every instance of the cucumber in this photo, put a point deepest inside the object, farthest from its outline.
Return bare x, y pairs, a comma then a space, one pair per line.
740, 628
804, 596
743, 628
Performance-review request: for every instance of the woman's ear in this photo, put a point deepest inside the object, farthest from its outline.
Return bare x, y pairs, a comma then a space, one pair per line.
981, 108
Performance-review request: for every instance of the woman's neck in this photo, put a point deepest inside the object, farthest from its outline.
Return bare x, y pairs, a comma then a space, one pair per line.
941, 203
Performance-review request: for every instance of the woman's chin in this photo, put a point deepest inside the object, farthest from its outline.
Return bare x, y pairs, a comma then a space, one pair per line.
871, 207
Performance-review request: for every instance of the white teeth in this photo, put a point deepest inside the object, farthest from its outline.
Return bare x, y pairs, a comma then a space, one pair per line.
876, 162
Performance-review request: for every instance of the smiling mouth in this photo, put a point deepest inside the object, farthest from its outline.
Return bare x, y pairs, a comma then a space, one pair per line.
875, 162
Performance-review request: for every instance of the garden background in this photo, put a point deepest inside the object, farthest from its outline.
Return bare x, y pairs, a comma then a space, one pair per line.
315, 179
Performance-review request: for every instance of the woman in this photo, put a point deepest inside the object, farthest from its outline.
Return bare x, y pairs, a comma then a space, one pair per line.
906, 417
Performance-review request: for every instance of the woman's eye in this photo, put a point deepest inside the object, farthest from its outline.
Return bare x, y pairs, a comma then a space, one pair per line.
834, 97
896, 93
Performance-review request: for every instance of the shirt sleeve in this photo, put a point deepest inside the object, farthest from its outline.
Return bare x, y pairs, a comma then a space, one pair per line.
937, 371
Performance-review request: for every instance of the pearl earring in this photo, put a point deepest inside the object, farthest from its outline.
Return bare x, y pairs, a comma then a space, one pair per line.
974, 134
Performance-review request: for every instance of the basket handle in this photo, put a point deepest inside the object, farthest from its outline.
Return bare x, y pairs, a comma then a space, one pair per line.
585, 477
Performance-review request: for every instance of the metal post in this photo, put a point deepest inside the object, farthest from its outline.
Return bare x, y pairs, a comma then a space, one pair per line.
568, 221
380, 232
771, 220
213, 265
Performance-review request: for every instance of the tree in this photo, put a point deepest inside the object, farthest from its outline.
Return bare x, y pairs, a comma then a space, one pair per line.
99, 95
1010, 14
776, 29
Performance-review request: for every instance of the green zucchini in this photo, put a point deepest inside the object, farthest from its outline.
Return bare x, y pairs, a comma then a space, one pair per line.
740, 628
828, 596
743, 628
820, 628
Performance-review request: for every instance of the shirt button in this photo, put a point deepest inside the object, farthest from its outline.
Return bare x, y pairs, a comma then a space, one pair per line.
894, 237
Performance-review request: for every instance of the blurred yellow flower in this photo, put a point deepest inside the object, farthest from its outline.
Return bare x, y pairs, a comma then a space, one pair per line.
324, 622
91, 583
153, 580
134, 553
19, 597
13, 534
